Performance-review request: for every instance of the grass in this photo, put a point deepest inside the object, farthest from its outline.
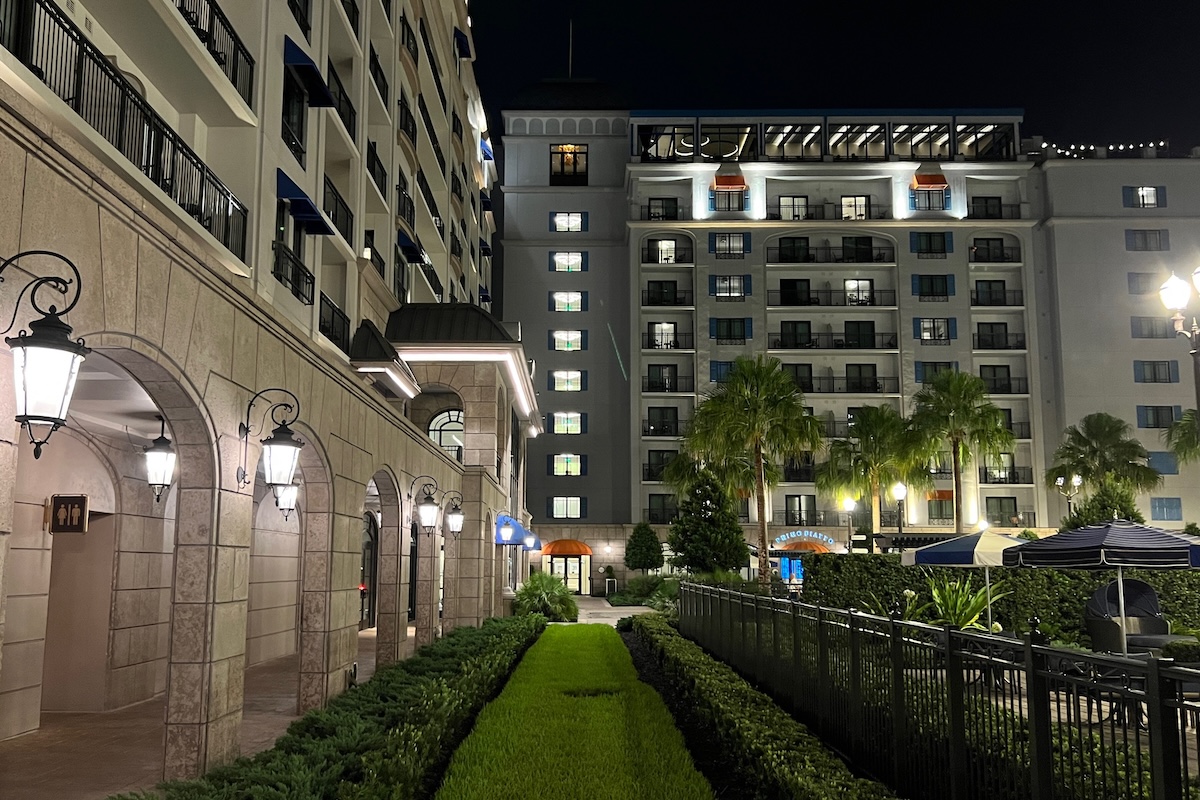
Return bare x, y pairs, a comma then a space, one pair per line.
574, 721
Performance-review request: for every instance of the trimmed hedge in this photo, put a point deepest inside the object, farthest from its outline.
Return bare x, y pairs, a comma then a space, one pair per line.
1056, 597
388, 738
773, 756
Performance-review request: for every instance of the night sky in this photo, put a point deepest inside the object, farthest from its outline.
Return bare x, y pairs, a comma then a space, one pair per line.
1084, 72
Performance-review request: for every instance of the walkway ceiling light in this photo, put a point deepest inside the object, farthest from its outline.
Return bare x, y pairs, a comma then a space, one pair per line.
281, 450
160, 462
46, 360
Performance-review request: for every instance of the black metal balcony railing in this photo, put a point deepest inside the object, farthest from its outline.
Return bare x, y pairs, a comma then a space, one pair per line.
406, 209
659, 516
680, 255
341, 102
434, 142
456, 248
994, 255
406, 121
300, 10
998, 297
1024, 518
216, 33
399, 276
1020, 430
435, 282
931, 254
831, 255
456, 189
378, 76
831, 297
58, 53
1007, 385
427, 195
387, 13
653, 472
663, 297
669, 384
376, 256
668, 341
832, 341
408, 38
993, 211
805, 517
289, 270
799, 473
660, 213
351, 9
841, 385
455, 451
1005, 475
334, 324
376, 169
434, 69
339, 211
662, 427
998, 341
292, 140
826, 211
941, 473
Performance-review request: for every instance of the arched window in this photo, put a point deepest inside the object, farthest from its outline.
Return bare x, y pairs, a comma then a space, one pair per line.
447, 430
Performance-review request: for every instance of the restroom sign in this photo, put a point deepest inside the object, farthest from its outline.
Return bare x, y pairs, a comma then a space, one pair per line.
68, 513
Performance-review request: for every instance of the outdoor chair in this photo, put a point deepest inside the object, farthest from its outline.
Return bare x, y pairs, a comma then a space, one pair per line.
1146, 631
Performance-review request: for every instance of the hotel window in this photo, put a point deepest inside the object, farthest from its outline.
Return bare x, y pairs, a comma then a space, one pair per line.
856, 206
568, 262
568, 301
1146, 240
568, 221
1168, 509
718, 371
663, 208
1144, 196
295, 115
794, 207
1156, 372
1163, 461
926, 371
933, 288
568, 165
1151, 328
934, 330
568, 464
570, 422
930, 244
1143, 282
567, 507
728, 287
1158, 416
729, 245
568, 380
729, 330
941, 510
568, 340
929, 200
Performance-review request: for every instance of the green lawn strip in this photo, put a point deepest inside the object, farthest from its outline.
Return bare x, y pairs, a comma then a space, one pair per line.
575, 721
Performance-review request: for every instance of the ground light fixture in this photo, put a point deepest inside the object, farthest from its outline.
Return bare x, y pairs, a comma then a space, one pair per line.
160, 462
281, 450
46, 360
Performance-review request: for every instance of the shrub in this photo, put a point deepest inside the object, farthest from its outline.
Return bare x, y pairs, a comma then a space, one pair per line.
643, 550
771, 754
624, 624
1185, 652
1028, 535
643, 586
666, 598
546, 594
958, 604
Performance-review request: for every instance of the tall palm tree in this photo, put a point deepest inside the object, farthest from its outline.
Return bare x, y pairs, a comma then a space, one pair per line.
734, 474
1183, 437
757, 412
882, 449
1101, 447
956, 411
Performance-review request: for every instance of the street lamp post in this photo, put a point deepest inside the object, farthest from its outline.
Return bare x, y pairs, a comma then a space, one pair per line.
848, 505
900, 492
1068, 490
1175, 294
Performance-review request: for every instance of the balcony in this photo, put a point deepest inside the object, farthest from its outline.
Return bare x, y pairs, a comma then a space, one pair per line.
659, 516
831, 255
406, 122
1007, 385
659, 298
455, 451
819, 211
435, 282
839, 385
292, 140
376, 255
663, 427
300, 10
406, 209
289, 270
399, 276
408, 40
378, 76
832, 341
654, 213
1020, 430
341, 102
351, 9
804, 517
216, 33
1000, 297
83, 77
799, 473
339, 211
669, 384
678, 255
376, 169
668, 341
1025, 518
998, 341
334, 324
993, 210
1005, 475
831, 297
995, 255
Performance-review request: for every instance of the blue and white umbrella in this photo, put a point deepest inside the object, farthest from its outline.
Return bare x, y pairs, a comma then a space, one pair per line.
984, 549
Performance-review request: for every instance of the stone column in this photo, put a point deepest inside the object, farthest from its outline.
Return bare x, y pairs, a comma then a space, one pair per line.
391, 621
428, 586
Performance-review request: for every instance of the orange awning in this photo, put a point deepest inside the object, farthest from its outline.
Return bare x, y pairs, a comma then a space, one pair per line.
730, 183
806, 545
940, 494
930, 180
566, 547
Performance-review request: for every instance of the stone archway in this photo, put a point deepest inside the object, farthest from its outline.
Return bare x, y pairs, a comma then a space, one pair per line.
391, 618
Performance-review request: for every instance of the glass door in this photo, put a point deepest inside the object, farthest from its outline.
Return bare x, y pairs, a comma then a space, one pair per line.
662, 335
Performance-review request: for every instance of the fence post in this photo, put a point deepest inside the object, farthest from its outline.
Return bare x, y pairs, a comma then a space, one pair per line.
776, 671
758, 642
899, 711
956, 714
1163, 722
857, 735
797, 650
1041, 759
823, 678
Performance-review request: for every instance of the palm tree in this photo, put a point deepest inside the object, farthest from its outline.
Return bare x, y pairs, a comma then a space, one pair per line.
882, 450
1183, 437
1101, 447
956, 411
734, 474
757, 412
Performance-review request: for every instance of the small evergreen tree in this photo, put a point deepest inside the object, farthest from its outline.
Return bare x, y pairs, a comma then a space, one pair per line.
643, 550
1110, 500
706, 536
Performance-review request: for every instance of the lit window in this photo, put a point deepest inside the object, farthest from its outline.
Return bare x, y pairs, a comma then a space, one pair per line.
568, 380
929, 200
567, 464
729, 245
727, 200
568, 221
730, 286
1146, 196
1166, 508
568, 164
568, 422
935, 330
447, 430
568, 340
567, 262
566, 507
568, 301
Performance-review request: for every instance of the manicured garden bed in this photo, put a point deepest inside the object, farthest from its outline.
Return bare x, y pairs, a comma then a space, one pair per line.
574, 721
389, 738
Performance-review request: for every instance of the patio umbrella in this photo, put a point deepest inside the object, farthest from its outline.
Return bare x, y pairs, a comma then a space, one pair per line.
1117, 544
983, 549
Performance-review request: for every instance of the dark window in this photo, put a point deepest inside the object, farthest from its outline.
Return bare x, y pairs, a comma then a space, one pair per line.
1151, 328
931, 243
1145, 240
729, 200
295, 115
992, 335
793, 249
986, 208
930, 199
933, 287
862, 378
663, 208
1002, 511
940, 511
731, 331
568, 165
931, 369
990, 293
1143, 282
1155, 416
801, 374
860, 335
1155, 372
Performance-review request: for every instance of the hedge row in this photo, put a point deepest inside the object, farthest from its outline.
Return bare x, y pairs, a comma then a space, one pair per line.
1056, 597
388, 738
773, 756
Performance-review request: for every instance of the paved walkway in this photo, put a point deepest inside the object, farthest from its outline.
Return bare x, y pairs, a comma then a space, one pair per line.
92, 756
597, 609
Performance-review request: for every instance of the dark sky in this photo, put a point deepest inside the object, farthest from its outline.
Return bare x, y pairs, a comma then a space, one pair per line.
1093, 72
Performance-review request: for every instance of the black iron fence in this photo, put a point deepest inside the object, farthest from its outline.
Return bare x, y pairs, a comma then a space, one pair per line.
406, 209
663, 427
997, 297
334, 324
338, 210
796, 212
289, 270
983, 210
669, 255
668, 383
378, 76
667, 297
341, 101
831, 297
830, 255
57, 52
399, 275
406, 121
435, 283
805, 517
998, 341
668, 341
1003, 475
664, 212
375, 255
941, 714
376, 169
994, 255
1007, 385
659, 516
832, 341
216, 33
351, 9
831, 384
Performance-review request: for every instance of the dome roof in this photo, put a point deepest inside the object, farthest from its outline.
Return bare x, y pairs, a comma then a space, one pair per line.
804, 545
566, 547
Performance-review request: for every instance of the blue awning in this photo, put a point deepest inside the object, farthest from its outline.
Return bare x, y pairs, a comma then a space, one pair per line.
411, 250
308, 73
485, 202
300, 206
485, 249
519, 531
486, 147
462, 43
484, 295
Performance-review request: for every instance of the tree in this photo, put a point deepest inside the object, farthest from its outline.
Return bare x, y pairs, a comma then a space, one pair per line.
882, 450
643, 550
1103, 447
706, 536
1109, 500
955, 411
757, 412
734, 474
1183, 437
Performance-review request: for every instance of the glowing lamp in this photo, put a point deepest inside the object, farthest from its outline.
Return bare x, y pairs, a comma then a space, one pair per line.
849, 504
281, 454
427, 511
900, 491
529, 541
1175, 293
286, 498
160, 462
507, 531
45, 365
455, 518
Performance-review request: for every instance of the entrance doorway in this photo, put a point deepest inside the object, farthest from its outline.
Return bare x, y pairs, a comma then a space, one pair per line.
571, 561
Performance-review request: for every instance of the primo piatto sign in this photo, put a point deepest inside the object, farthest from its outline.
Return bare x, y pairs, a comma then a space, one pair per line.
810, 535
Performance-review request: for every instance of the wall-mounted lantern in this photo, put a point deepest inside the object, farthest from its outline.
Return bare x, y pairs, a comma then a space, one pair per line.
160, 462
280, 451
